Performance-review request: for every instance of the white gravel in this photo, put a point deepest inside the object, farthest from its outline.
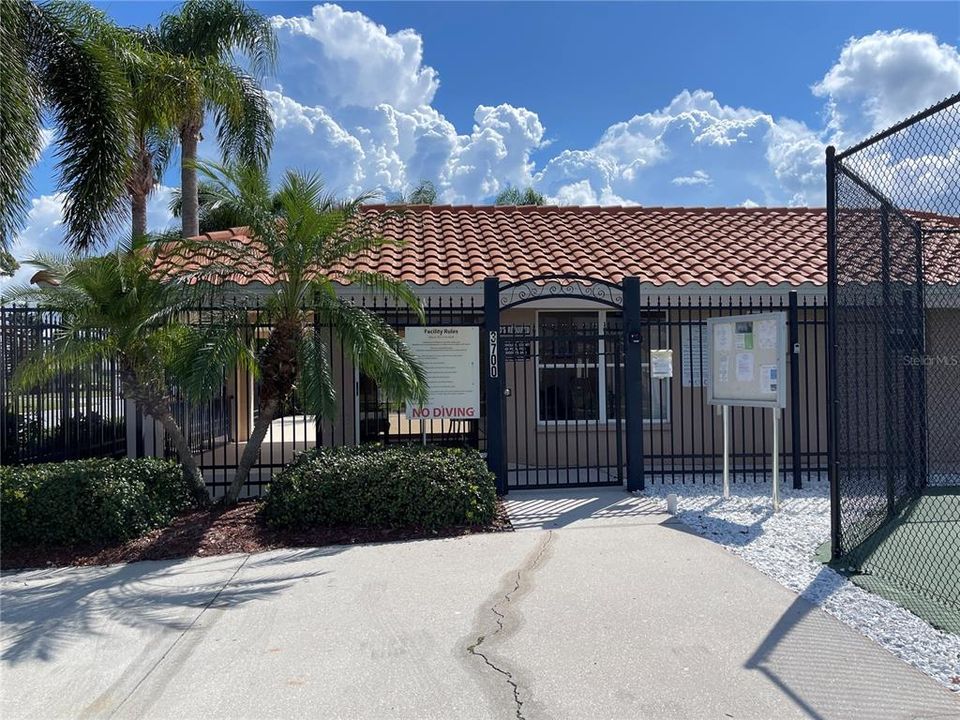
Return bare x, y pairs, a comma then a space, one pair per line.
782, 545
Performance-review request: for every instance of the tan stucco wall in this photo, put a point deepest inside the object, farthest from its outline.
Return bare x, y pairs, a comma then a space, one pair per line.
943, 391
587, 443
591, 443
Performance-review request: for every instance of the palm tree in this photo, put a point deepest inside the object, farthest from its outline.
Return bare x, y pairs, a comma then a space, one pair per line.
206, 35
425, 193
212, 215
155, 93
307, 239
515, 196
51, 63
114, 307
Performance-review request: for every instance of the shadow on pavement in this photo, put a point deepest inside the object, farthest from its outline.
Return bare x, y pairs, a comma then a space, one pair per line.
44, 611
825, 679
551, 509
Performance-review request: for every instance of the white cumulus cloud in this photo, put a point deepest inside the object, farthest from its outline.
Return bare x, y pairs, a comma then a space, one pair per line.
694, 143
338, 58
44, 230
882, 78
390, 149
354, 101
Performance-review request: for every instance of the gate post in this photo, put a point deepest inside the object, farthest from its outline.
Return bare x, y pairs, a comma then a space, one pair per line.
920, 345
496, 456
894, 459
793, 320
633, 385
833, 473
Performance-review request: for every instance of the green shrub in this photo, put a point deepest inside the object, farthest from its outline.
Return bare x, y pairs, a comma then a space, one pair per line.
376, 487
96, 500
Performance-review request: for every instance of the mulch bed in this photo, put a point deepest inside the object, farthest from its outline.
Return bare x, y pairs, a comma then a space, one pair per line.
220, 531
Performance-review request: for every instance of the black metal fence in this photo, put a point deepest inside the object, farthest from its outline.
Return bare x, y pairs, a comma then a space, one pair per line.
565, 413
218, 428
682, 434
564, 404
894, 260
683, 438
76, 414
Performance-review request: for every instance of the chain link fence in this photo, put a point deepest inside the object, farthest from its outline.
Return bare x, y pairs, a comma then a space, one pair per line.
893, 206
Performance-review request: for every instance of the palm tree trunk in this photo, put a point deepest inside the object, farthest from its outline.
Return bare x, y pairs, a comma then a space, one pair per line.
190, 199
279, 370
191, 470
268, 413
140, 185
139, 203
158, 407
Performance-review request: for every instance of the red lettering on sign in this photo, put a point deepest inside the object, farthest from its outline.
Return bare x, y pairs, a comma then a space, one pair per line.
442, 412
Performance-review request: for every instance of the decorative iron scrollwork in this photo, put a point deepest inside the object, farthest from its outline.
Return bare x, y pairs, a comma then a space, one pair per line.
561, 285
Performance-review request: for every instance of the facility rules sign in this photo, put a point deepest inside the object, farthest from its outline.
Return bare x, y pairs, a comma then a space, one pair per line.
450, 357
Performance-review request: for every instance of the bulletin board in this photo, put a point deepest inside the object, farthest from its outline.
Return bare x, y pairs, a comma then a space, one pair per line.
748, 359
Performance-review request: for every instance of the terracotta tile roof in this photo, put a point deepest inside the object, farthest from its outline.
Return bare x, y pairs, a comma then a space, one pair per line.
941, 248
861, 262
445, 244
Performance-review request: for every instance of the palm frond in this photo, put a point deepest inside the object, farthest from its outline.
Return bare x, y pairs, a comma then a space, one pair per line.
65, 353
19, 118
8, 263
217, 28
242, 116
87, 93
397, 290
377, 350
316, 383
206, 354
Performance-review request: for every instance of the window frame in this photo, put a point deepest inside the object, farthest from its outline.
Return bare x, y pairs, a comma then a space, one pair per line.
600, 366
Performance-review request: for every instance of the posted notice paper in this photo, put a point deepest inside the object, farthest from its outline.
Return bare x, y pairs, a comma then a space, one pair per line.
744, 365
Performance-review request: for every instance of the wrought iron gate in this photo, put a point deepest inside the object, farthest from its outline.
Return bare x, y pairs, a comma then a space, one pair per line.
558, 410
564, 400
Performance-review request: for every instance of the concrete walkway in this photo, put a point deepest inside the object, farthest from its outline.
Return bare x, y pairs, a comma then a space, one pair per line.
603, 609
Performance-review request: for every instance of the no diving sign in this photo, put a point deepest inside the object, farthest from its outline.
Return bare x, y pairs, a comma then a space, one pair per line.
450, 357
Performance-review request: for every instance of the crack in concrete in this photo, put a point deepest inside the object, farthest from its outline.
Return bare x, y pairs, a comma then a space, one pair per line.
501, 617
179, 637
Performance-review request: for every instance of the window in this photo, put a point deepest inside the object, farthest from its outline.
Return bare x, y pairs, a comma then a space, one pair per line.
567, 366
580, 371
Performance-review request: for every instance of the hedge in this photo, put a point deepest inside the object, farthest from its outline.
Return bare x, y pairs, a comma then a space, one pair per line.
382, 487
89, 501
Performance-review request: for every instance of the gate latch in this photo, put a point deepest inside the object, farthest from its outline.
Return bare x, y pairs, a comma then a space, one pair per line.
634, 337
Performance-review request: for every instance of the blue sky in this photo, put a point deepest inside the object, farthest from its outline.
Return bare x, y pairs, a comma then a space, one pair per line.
658, 104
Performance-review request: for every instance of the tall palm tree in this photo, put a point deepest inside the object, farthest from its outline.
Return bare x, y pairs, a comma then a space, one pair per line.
115, 307
155, 93
305, 240
206, 36
51, 63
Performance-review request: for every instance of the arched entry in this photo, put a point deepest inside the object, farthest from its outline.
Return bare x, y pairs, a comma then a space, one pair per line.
558, 405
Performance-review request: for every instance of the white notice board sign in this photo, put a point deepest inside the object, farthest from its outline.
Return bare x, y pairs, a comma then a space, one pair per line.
661, 364
450, 357
748, 359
